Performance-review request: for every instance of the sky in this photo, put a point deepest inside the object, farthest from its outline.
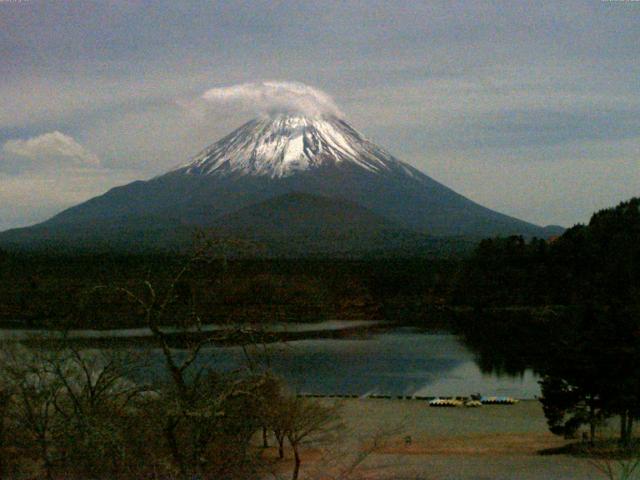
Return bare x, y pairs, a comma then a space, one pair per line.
529, 108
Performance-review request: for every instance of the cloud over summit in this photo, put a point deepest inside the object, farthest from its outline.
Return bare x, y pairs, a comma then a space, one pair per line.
272, 96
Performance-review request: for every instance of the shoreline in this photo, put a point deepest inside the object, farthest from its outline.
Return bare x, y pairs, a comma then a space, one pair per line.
492, 442
220, 334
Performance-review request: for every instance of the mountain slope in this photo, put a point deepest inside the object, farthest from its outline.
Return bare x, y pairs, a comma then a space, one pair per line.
303, 215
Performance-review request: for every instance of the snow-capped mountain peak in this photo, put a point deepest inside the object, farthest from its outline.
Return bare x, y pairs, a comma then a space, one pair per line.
289, 179
283, 144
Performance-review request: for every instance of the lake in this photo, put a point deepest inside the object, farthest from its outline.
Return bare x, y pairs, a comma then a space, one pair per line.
396, 361
402, 361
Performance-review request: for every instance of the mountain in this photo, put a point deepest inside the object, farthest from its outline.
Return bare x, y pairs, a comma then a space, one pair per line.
279, 177
303, 214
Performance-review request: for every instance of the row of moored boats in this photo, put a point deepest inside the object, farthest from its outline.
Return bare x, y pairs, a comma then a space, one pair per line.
473, 401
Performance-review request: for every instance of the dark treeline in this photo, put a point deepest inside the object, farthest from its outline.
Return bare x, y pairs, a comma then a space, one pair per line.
60, 290
569, 309
597, 263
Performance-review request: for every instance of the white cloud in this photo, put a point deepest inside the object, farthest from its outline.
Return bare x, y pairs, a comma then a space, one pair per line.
267, 97
53, 147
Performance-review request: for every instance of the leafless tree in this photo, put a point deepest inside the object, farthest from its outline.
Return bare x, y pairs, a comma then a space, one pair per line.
196, 399
345, 456
99, 399
308, 421
35, 392
347, 462
67, 403
275, 416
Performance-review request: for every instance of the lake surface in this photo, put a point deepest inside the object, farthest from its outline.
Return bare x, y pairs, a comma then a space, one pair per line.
398, 361
403, 361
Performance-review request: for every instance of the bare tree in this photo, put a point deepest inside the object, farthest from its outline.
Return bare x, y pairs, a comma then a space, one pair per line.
196, 400
35, 392
99, 398
185, 396
348, 462
308, 421
67, 403
275, 413
345, 456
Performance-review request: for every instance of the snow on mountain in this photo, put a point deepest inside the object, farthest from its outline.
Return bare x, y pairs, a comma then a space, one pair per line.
280, 145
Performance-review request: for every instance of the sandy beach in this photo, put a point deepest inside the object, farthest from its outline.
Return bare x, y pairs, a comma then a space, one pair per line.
422, 442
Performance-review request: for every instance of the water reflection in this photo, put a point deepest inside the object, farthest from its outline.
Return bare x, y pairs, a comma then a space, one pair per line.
398, 362
507, 343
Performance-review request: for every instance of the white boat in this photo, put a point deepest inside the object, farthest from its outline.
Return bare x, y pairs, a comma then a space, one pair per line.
446, 402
